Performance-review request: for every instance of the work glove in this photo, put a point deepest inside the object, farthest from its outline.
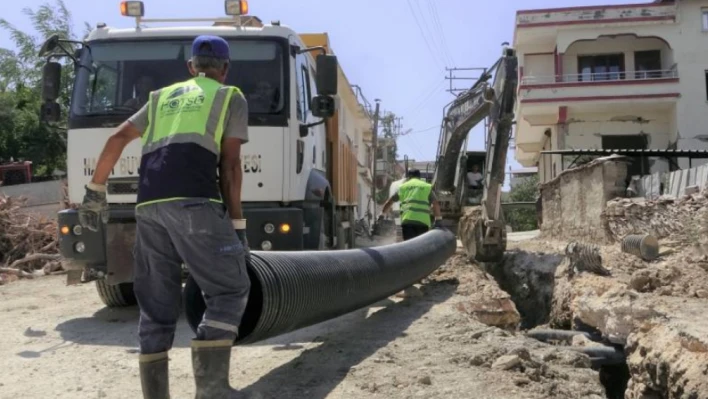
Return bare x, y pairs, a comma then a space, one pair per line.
240, 228
94, 209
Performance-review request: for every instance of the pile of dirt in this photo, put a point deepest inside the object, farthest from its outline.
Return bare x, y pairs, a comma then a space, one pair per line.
28, 243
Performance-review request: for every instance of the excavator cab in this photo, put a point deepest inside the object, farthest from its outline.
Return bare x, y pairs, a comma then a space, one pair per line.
474, 177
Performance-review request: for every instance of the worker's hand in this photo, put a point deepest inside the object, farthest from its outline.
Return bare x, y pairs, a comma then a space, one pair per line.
94, 209
241, 233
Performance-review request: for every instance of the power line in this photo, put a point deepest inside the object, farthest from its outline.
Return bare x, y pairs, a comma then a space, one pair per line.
436, 21
425, 99
431, 32
422, 130
425, 37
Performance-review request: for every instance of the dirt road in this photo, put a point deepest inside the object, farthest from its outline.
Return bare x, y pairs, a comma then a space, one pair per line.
61, 342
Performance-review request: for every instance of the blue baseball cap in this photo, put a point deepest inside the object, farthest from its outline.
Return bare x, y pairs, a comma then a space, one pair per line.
210, 46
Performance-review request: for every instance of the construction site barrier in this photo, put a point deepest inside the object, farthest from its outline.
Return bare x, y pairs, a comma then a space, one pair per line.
293, 290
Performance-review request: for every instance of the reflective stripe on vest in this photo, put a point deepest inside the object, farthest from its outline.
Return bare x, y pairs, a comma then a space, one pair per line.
414, 197
188, 112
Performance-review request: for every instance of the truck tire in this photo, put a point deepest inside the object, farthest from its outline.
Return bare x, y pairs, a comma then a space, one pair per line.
116, 296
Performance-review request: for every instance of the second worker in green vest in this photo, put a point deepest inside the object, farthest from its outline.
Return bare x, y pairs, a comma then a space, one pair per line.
416, 197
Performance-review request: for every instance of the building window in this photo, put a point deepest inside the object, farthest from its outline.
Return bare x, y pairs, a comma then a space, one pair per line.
704, 15
647, 64
601, 67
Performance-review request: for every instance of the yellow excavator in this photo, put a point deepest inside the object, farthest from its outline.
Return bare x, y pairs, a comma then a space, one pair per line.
478, 219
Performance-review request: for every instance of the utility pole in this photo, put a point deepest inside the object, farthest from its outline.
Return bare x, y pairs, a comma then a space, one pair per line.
374, 150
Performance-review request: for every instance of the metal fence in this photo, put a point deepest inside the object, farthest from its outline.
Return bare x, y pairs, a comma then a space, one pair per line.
671, 184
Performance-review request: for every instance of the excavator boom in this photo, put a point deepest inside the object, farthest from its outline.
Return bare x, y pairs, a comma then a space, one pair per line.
496, 101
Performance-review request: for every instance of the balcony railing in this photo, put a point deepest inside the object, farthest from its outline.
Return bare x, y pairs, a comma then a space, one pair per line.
591, 78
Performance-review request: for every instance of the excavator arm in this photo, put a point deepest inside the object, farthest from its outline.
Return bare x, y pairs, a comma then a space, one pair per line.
495, 101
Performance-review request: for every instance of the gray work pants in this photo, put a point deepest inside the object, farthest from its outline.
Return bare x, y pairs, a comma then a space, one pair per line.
198, 233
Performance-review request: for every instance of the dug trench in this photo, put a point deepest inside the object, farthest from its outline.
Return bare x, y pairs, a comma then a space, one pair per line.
530, 278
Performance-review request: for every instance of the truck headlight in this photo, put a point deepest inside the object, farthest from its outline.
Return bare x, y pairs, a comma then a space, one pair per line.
77, 229
80, 247
266, 245
269, 228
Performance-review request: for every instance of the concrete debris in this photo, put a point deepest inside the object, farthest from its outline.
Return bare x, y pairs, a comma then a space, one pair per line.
664, 217
668, 363
506, 362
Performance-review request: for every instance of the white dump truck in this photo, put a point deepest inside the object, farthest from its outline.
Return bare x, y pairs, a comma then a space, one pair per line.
299, 185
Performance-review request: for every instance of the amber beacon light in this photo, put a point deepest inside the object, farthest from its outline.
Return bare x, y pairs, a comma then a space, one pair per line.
236, 7
132, 8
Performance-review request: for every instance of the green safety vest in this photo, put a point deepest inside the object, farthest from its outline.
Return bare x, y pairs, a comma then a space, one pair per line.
415, 205
193, 111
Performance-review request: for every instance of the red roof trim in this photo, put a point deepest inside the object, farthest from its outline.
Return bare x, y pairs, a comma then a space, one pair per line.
599, 83
600, 98
581, 8
597, 21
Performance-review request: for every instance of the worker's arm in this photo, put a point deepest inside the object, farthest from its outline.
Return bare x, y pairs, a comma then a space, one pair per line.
433, 199
389, 202
230, 170
94, 207
436, 210
127, 132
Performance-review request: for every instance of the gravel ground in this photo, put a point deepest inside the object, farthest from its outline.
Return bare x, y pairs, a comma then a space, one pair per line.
61, 342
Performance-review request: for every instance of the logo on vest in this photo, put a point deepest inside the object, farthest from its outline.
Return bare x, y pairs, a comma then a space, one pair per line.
183, 99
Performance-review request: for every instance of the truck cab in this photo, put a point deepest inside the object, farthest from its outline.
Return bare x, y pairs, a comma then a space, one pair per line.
286, 195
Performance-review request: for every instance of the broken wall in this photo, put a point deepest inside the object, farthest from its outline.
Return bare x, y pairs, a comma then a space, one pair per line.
573, 202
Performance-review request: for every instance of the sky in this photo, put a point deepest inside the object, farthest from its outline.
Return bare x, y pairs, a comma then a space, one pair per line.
395, 50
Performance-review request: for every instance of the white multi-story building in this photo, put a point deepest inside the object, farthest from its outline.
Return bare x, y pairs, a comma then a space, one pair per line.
613, 77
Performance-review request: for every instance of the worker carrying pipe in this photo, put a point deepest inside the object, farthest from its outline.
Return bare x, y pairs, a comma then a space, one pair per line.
416, 197
187, 130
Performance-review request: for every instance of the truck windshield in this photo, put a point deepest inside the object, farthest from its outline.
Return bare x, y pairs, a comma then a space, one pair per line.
117, 77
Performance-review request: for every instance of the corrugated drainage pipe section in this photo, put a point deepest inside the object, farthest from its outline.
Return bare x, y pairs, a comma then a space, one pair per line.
293, 290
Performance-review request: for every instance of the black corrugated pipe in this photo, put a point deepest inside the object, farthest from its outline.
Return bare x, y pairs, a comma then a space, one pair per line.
601, 355
546, 335
293, 290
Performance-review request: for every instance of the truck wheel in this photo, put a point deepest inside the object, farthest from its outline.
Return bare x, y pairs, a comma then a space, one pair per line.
115, 296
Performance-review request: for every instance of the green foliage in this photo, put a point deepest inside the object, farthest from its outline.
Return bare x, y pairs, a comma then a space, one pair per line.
525, 191
22, 135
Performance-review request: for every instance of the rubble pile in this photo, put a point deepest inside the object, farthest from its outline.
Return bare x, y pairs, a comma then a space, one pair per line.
28, 243
665, 217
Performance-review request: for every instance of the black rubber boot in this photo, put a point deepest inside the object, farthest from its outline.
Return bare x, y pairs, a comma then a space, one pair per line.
211, 361
154, 376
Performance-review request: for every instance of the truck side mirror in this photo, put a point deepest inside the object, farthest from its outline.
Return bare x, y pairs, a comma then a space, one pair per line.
50, 112
51, 85
322, 106
49, 45
326, 75
51, 81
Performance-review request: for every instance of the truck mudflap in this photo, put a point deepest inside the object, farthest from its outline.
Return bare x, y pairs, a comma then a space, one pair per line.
106, 253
